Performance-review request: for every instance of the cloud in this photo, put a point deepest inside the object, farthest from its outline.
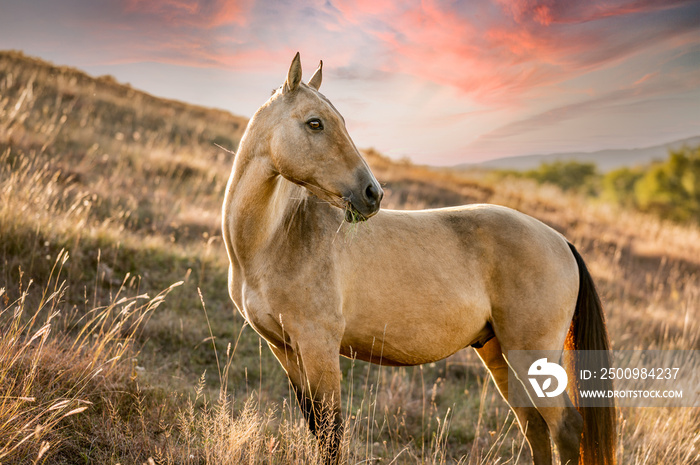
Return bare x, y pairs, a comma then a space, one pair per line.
647, 88
500, 54
548, 12
204, 14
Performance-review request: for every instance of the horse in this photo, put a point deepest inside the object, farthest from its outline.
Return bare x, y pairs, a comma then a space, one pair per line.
416, 285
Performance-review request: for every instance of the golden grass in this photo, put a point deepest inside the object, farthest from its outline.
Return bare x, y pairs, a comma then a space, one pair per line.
53, 363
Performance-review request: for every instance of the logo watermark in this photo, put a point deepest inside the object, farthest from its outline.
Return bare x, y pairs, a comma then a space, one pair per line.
547, 371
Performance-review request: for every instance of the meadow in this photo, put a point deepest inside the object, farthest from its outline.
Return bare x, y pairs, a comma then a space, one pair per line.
119, 343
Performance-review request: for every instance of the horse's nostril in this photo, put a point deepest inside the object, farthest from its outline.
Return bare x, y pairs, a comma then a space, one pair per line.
373, 194
369, 192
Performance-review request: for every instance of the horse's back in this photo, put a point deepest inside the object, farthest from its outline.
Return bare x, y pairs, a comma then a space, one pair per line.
482, 236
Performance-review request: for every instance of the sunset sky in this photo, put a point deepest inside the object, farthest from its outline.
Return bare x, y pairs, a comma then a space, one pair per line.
441, 82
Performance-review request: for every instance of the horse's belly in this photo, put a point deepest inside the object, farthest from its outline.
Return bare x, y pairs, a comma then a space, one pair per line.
395, 354
414, 335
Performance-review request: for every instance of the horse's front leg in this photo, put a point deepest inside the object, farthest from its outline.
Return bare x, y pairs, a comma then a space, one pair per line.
313, 368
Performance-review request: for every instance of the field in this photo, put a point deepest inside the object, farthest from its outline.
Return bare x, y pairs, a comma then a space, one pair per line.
119, 343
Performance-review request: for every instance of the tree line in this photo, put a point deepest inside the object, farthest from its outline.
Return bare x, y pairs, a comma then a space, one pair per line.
668, 188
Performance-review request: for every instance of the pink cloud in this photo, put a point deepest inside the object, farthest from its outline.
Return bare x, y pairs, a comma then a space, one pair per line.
359, 10
522, 10
547, 12
495, 54
531, 44
436, 44
207, 14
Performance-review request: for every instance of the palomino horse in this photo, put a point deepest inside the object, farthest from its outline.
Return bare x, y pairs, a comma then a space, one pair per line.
419, 284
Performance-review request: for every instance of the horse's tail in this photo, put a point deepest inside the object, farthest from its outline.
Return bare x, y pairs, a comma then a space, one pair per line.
588, 333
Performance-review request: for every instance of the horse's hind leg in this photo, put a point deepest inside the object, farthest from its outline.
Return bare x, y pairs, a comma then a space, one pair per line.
315, 378
531, 422
565, 423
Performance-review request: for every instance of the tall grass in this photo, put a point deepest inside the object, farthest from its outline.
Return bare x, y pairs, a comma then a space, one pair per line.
54, 364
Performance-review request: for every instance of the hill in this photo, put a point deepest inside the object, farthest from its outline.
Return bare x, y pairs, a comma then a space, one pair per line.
56, 103
605, 160
110, 204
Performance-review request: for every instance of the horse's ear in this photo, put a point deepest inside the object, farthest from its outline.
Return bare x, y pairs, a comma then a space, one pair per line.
294, 75
315, 80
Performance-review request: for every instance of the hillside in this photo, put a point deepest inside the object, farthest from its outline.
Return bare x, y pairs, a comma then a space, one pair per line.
123, 158
110, 205
99, 110
605, 160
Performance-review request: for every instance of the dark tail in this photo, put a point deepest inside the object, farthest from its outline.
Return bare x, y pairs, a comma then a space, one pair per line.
588, 333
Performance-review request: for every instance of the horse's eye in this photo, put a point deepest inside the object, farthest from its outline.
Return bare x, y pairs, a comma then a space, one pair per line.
315, 124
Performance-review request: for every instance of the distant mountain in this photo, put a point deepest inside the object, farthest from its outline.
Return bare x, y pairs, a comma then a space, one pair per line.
606, 160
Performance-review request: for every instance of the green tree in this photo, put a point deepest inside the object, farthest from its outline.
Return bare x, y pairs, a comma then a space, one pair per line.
672, 188
618, 185
568, 175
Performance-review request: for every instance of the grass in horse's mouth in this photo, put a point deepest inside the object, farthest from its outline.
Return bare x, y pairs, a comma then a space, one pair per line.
353, 216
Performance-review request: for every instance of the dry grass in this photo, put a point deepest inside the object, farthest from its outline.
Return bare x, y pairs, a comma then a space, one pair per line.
132, 187
55, 363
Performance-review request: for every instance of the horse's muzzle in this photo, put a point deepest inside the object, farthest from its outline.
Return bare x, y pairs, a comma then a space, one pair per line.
365, 204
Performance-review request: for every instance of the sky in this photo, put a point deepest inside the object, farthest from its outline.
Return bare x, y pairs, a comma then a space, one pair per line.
439, 82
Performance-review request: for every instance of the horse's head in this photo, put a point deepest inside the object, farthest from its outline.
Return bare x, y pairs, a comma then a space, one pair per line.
311, 147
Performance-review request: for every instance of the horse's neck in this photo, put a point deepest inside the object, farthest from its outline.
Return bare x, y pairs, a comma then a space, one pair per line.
262, 204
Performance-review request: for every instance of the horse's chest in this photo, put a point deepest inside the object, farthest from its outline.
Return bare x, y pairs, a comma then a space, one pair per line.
260, 315
283, 311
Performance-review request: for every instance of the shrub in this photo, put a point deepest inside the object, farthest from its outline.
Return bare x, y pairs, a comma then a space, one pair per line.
568, 175
672, 189
618, 185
